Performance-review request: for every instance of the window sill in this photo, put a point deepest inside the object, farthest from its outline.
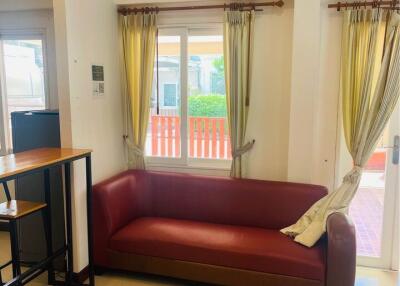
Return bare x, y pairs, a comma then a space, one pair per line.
191, 167
201, 168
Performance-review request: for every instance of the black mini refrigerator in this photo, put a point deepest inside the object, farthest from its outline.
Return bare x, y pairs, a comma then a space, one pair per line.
31, 130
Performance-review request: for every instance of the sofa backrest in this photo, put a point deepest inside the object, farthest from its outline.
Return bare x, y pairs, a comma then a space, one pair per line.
244, 202
120, 199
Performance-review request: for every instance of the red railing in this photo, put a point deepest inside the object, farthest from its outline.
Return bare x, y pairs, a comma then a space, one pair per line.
208, 138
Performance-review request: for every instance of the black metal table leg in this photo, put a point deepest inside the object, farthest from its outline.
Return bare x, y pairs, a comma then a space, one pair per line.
47, 263
68, 212
48, 225
14, 248
89, 218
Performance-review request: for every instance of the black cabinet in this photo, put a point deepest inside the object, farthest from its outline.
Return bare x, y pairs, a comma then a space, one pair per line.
31, 130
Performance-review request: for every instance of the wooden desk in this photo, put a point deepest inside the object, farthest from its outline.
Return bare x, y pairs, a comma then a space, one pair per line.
19, 164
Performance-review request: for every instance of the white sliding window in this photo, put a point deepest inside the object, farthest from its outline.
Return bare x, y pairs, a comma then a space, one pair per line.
188, 117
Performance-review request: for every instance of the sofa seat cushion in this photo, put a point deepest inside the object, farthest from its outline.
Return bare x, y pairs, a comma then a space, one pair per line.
248, 248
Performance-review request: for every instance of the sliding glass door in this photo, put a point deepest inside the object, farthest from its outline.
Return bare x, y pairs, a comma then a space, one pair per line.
374, 206
22, 78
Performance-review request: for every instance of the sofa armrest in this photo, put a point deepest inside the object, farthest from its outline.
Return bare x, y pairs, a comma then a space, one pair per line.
116, 202
341, 253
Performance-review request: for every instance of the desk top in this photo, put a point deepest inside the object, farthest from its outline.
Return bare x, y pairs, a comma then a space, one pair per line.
18, 163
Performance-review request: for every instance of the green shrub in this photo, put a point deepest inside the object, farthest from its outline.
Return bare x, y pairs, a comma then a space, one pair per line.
207, 105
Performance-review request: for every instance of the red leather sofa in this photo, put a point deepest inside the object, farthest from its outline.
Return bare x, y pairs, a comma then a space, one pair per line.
216, 230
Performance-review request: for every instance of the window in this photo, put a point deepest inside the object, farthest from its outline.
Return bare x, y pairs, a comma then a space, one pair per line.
191, 125
22, 81
170, 95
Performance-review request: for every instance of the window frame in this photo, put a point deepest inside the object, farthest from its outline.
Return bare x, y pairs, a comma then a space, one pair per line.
176, 161
184, 160
11, 34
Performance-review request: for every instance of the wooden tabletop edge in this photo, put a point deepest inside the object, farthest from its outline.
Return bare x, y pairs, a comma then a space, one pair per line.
22, 162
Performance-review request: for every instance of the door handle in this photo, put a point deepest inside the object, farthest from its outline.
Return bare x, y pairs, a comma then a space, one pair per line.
396, 150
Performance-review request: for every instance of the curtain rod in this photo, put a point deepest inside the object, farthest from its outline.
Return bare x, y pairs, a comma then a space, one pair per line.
393, 5
127, 10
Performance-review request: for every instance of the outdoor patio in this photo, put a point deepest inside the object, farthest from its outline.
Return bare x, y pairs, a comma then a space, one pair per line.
367, 213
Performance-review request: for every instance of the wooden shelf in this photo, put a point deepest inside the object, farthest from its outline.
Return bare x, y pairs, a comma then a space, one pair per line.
17, 209
23, 162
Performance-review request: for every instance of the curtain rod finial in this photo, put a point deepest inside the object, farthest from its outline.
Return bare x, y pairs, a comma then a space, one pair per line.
280, 3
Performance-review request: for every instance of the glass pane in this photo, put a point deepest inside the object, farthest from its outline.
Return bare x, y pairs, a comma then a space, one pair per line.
208, 135
163, 133
367, 207
170, 94
24, 74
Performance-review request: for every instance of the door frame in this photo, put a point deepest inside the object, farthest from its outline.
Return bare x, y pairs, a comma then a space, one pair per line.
389, 239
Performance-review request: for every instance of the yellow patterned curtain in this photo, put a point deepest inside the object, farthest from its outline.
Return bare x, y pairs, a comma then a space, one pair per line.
138, 42
238, 41
370, 88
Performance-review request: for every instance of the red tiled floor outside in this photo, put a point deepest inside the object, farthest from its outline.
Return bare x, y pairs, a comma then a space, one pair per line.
367, 213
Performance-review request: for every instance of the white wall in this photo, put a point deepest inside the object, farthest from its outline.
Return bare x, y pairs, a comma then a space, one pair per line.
269, 112
328, 118
304, 90
85, 36
318, 160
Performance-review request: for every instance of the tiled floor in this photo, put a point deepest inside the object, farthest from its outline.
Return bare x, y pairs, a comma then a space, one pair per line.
365, 276
366, 212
